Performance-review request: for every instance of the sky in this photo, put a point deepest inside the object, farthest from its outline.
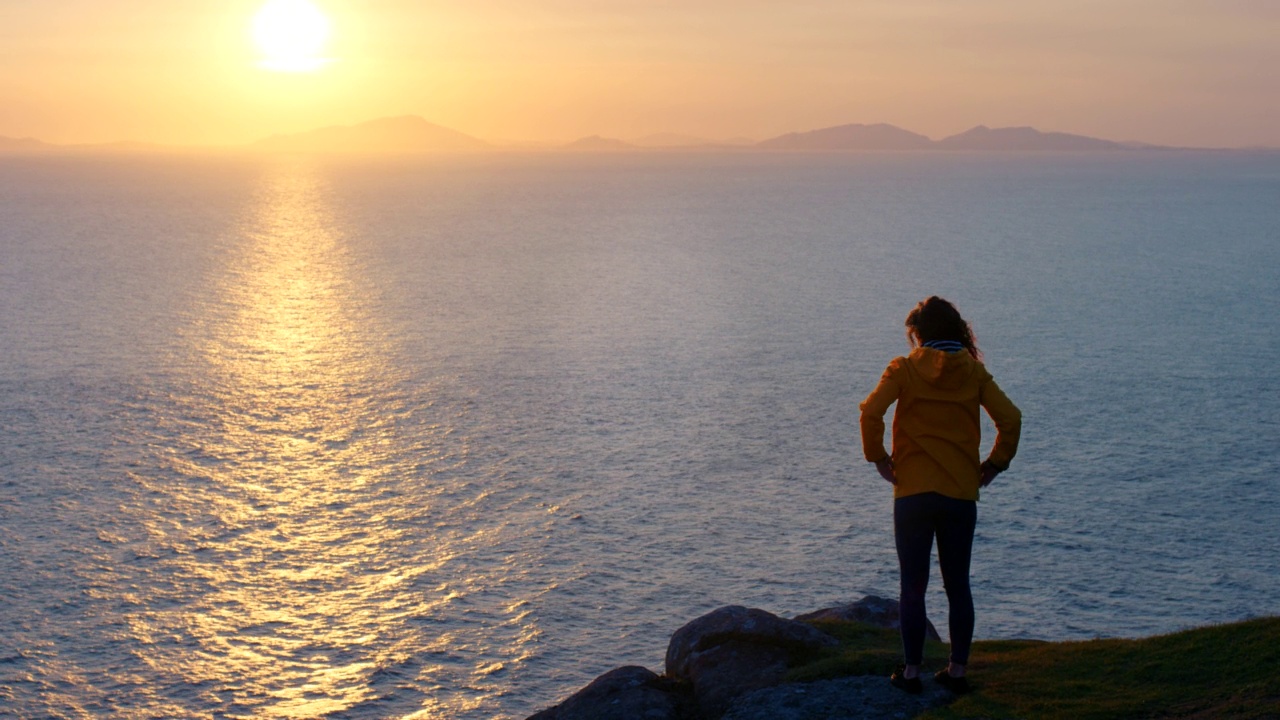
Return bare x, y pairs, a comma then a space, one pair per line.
1178, 72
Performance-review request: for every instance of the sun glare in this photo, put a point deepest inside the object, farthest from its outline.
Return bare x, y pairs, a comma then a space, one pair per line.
291, 35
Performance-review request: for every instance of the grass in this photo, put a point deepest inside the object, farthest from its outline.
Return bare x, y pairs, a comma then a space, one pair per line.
1221, 671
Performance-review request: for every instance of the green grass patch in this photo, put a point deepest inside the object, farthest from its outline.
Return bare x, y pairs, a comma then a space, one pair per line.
1222, 671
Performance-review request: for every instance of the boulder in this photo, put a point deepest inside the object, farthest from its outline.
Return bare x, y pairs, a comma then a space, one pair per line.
872, 610
734, 650
627, 693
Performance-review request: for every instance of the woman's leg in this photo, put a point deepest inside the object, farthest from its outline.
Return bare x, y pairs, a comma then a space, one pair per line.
955, 548
913, 536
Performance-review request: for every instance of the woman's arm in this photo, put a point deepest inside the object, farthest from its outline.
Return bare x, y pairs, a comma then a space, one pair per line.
872, 417
1008, 421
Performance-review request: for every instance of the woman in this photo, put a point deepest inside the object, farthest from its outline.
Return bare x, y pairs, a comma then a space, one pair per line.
935, 471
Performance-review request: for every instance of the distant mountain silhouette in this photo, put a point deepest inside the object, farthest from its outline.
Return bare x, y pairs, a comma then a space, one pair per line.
677, 141
122, 147
1023, 139
850, 137
412, 134
406, 134
671, 140
31, 145
595, 143
981, 139
23, 145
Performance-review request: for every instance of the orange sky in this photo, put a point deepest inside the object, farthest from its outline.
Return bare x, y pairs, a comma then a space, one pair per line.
1183, 72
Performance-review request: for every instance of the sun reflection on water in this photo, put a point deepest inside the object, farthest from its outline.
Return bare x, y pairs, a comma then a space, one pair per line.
295, 579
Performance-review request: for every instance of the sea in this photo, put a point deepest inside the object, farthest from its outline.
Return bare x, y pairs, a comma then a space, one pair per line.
450, 436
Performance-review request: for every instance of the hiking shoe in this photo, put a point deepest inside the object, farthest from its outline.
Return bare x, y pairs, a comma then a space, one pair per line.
957, 685
911, 686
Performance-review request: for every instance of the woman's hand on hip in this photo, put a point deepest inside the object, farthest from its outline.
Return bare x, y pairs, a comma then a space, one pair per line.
885, 468
989, 473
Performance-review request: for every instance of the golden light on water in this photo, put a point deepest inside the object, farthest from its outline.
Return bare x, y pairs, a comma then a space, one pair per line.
294, 585
317, 542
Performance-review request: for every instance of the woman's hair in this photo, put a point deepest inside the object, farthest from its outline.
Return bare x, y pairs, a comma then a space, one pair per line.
936, 319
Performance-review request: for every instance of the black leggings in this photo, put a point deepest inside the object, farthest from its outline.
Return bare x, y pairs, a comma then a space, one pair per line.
916, 520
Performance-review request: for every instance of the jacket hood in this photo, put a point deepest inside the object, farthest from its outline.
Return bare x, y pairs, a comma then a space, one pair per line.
948, 371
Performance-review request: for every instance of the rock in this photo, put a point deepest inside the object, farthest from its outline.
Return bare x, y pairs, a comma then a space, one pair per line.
734, 650
873, 610
627, 693
726, 671
850, 698
735, 622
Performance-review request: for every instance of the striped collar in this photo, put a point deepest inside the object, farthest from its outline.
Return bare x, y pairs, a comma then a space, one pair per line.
947, 346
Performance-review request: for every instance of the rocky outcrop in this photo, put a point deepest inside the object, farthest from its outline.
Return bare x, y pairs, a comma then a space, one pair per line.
734, 650
730, 664
872, 610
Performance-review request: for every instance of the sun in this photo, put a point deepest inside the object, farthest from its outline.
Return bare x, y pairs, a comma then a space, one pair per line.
291, 35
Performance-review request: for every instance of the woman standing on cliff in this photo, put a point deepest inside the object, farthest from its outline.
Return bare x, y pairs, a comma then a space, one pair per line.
935, 471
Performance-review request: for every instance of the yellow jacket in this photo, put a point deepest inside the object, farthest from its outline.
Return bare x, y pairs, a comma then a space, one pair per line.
936, 428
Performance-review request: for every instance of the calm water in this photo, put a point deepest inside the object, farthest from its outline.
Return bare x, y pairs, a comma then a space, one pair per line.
447, 438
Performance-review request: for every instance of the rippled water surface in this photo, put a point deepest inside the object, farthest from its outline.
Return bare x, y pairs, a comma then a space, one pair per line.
449, 437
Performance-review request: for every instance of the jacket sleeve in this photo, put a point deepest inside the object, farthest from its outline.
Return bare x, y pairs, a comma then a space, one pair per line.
1008, 421
872, 418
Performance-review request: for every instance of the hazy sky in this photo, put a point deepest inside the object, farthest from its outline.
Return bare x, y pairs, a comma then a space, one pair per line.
1184, 72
